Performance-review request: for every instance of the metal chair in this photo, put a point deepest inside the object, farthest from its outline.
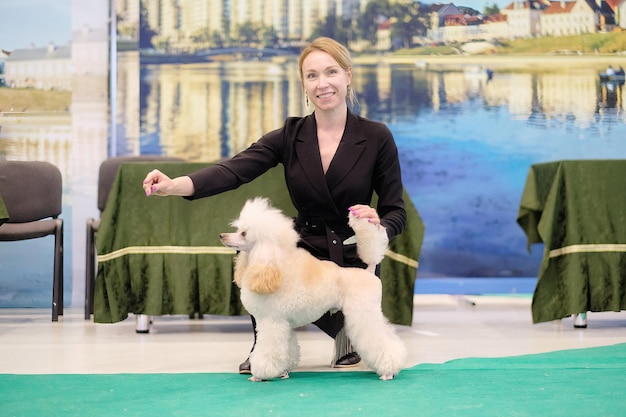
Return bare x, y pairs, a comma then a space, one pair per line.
106, 177
32, 193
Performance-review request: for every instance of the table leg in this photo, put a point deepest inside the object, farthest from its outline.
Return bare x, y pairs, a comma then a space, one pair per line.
580, 321
143, 323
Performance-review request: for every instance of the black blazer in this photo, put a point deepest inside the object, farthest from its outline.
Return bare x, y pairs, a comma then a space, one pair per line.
366, 161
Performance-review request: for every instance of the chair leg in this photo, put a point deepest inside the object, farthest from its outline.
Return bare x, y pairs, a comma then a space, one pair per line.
61, 272
142, 324
580, 320
57, 283
89, 269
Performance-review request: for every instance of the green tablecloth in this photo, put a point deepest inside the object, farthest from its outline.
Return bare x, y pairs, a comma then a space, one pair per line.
4, 214
162, 255
577, 209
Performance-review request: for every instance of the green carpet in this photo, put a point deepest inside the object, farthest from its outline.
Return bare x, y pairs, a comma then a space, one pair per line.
581, 382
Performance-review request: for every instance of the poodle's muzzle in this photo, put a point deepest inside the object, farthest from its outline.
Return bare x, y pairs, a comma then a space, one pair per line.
235, 240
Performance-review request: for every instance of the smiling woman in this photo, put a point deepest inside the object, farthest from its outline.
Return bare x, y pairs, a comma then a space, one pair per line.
334, 161
326, 86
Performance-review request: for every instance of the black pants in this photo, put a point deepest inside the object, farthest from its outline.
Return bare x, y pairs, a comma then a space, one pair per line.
329, 323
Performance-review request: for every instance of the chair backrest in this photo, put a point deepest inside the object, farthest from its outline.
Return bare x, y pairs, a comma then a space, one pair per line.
31, 190
109, 167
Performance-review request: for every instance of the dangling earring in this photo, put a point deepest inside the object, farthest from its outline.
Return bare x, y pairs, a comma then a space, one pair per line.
306, 97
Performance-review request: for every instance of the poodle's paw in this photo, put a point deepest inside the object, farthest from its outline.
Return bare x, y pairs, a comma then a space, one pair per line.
386, 377
371, 239
253, 378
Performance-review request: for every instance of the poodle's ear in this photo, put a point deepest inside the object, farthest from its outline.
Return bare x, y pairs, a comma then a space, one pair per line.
241, 262
263, 278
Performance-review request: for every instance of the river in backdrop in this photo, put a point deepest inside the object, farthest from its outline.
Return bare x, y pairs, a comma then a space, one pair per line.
466, 143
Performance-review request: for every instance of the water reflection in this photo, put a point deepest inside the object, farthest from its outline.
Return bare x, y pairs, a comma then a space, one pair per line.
209, 111
465, 143
610, 96
205, 112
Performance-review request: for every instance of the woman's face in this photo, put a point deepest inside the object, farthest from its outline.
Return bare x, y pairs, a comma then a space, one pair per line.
324, 81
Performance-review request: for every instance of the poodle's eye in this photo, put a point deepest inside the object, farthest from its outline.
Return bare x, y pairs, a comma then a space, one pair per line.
243, 234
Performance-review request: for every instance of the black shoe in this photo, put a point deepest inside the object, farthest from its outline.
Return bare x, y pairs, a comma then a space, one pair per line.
244, 368
348, 361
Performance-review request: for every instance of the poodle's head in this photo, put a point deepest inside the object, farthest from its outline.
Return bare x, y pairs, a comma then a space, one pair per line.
264, 237
260, 224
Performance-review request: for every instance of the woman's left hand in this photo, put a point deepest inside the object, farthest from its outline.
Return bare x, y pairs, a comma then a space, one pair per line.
362, 211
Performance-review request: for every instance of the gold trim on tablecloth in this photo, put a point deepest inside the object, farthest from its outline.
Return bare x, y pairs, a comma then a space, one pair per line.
190, 250
596, 247
210, 250
402, 259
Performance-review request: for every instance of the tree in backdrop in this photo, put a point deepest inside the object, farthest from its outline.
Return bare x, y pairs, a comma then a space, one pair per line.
332, 27
200, 35
217, 40
410, 19
248, 33
375, 13
146, 33
269, 36
124, 28
491, 10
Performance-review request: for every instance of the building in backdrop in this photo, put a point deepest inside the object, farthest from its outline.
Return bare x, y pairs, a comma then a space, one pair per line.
43, 68
186, 26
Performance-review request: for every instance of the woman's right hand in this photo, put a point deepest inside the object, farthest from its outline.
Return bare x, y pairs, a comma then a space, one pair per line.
157, 183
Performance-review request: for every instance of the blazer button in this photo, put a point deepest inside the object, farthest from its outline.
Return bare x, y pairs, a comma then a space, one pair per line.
334, 242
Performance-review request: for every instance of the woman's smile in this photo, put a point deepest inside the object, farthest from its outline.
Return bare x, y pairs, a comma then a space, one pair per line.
325, 95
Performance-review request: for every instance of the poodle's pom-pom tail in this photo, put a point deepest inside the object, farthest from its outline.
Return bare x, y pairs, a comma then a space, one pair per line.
371, 240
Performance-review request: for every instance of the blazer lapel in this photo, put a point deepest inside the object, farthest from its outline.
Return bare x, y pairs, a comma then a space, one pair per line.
350, 149
308, 154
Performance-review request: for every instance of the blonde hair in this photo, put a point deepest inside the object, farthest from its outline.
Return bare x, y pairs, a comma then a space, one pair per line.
338, 52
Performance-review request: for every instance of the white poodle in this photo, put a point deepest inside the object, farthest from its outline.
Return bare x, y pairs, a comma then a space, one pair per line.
285, 287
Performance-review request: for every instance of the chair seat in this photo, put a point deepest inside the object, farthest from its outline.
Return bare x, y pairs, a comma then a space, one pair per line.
32, 192
10, 232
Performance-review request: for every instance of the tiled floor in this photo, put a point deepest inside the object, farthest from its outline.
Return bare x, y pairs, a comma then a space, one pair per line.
444, 327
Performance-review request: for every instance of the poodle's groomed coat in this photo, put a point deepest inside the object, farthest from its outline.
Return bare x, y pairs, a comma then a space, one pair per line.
285, 287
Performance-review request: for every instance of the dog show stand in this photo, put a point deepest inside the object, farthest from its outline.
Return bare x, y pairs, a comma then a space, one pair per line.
162, 255
576, 209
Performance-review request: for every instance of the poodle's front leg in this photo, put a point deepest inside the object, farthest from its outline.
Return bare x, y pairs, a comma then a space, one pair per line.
276, 351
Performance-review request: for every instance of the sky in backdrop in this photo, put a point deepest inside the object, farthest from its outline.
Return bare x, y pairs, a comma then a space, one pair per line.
480, 4
39, 22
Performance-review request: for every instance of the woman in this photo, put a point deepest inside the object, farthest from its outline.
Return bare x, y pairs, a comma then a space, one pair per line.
333, 162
